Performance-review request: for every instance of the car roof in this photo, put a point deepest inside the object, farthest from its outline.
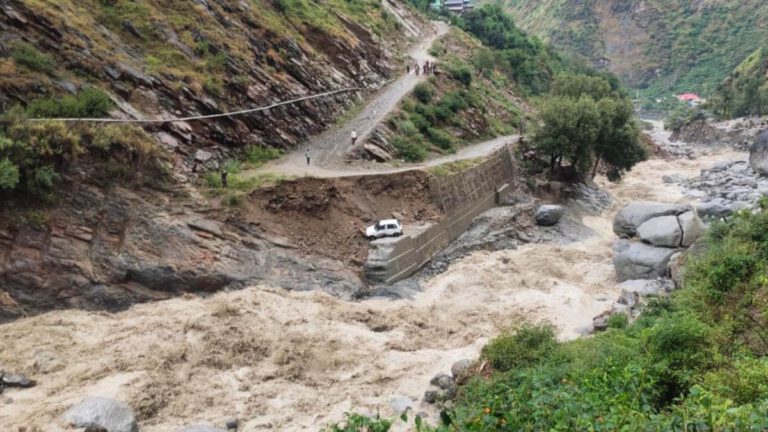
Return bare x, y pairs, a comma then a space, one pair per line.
389, 221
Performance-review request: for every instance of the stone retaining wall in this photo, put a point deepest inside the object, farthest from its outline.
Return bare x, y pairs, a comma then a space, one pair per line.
463, 197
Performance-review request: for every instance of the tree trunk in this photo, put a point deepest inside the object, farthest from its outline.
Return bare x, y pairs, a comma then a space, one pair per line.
594, 169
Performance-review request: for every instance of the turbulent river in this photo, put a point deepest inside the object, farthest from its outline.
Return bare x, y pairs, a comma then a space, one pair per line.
286, 361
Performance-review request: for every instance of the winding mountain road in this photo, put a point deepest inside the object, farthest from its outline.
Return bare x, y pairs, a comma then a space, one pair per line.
329, 149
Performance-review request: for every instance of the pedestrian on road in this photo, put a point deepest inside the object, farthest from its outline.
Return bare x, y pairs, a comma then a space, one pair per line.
224, 175
417, 68
306, 155
408, 69
353, 136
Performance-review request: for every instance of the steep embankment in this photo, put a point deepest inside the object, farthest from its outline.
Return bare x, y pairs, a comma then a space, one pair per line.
665, 45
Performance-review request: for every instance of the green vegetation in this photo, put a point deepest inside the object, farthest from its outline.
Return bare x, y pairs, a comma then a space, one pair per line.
359, 423
666, 47
87, 103
587, 123
34, 155
30, 57
456, 167
745, 91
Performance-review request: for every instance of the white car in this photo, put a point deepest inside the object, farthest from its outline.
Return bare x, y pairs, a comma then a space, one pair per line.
384, 228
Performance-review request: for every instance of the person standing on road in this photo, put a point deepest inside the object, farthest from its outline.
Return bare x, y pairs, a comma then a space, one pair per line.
353, 136
408, 69
306, 155
417, 68
224, 175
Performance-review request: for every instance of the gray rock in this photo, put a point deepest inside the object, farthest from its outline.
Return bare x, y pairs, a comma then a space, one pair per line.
201, 428
676, 268
661, 231
629, 218
443, 381
692, 226
232, 424
8, 379
600, 322
102, 413
202, 156
460, 368
547, 215
633, 291
401, 404
758, 155
639, 260
714, 209
430, 396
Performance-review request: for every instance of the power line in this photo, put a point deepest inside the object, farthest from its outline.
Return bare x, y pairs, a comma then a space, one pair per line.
204, 117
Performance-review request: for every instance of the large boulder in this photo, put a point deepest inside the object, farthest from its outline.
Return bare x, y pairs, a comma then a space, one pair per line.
639, 260
716, 208
663, 231
633, 291
100, 413
629, 218
758, 154
692, 227
547, 215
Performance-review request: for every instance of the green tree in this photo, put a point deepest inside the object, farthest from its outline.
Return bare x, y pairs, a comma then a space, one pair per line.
585, 123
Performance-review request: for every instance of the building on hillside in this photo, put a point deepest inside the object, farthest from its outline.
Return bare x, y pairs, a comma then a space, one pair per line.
458, 6
691, 99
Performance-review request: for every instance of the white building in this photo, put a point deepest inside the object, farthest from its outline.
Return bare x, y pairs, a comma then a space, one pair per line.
458, 6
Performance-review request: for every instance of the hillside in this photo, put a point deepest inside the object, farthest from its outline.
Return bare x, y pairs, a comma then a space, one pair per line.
656, 45
745, 90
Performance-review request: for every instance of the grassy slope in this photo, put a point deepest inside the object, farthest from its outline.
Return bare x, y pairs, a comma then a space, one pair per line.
692, 47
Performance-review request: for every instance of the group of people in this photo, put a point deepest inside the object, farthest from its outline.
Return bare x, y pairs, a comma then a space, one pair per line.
427, 68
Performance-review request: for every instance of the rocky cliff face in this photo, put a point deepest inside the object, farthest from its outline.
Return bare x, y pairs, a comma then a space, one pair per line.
160, 59
678, 45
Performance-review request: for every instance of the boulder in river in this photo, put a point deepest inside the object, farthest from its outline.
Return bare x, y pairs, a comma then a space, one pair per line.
547, 215
692, 227
663, 231
100, 413
758, 154
629, 218
640, 261
460, 368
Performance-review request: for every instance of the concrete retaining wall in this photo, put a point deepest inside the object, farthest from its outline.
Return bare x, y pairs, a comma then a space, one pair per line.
463, 197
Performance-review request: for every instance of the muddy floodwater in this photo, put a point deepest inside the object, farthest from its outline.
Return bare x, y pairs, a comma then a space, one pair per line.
285, 361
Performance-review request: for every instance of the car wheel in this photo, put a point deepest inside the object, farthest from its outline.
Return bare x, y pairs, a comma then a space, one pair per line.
371, 238
398, 234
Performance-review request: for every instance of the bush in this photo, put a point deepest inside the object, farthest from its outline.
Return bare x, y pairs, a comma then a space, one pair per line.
9, 174
527, 346
30, 57
360, 423
87, 103
259, 155
424, 92
410, 148
440, 138
463, 74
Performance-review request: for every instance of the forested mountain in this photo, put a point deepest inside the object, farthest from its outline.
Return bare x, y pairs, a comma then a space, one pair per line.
658, 45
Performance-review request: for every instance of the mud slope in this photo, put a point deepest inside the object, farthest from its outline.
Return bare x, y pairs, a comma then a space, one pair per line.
327, 216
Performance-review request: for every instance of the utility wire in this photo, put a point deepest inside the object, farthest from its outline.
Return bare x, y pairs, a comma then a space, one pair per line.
203, 117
